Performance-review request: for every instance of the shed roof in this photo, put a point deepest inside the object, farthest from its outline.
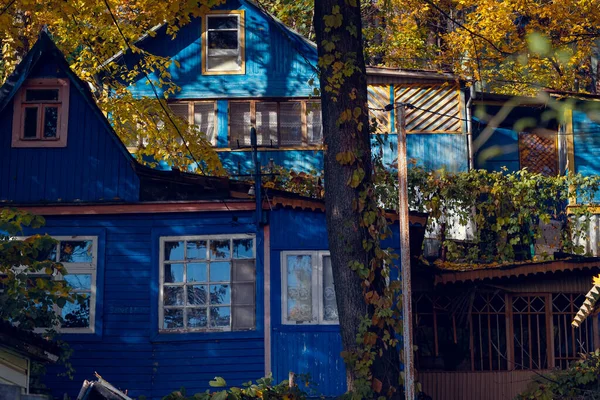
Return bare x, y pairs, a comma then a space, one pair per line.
28, 343
488, 272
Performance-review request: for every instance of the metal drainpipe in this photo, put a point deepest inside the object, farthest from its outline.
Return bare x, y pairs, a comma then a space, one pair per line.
470, 126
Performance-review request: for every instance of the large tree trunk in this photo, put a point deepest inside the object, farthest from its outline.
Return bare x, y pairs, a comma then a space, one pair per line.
345, 233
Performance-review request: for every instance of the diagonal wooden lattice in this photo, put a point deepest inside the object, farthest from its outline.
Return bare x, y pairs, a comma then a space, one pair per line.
379, 97
537, 153
437, 108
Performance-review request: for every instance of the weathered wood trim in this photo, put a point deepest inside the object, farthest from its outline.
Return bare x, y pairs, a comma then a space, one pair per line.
242, 42
523, 269
104, 209
19, 104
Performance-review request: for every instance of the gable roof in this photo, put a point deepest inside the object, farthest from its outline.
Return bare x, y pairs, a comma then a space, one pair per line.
45, 47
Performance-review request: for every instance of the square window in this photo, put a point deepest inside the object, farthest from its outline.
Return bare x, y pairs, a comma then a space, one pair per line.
40, 117
208, 285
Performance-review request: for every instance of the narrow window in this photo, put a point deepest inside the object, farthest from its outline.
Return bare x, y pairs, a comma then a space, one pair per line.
290, 125
223, 43
314, 126
41, 114
240, 122
207, 284
266, 123
308, 289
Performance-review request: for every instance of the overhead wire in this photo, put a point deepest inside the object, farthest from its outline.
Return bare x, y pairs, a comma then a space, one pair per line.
164, 108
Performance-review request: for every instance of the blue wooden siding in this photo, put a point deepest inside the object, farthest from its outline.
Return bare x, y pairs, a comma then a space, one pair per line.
500, 149
586, 140
305, 349
274, 65
91, 167
126, 349
432, 151
309, 349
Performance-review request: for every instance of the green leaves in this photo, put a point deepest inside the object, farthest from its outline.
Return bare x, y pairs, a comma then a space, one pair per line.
218, 382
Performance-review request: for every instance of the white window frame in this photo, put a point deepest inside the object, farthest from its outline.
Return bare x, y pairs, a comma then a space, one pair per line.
90, 268
317, 288
161, 277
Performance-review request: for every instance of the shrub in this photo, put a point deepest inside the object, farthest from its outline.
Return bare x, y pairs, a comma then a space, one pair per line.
262, 389
580, 381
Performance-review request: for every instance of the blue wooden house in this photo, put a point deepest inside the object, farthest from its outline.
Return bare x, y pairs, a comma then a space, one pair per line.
239, 67
183, 280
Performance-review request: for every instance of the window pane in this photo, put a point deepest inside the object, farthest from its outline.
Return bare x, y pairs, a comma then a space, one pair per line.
219, 250
290, 123
204, 119
196, 250
173, 296
79, 281
76, 315
197, 294
243, 293
76, 251
41, 95
181, 111
50, 122
239, 124
173, 273
173, 319
266, 123
222, 22
30, 123
299, 288
243, 270
243, 318
220, 317
220, 272
174, 251
227, 40
220, 294
314, 126
197, 318
329, 305
243, 248
218, 61
196, 272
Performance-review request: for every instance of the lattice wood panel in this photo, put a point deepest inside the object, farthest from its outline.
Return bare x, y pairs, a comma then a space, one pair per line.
379, 97
438, 108
538, 153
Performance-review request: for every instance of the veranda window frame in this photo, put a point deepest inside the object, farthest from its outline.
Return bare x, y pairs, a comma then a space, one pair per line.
509, 313
305, 107
191, 104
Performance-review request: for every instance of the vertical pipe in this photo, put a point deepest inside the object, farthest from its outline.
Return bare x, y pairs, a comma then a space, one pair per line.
267, 297
409, 373
470, 126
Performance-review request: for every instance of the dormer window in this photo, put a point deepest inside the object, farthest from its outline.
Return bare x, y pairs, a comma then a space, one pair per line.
223, 43
40, 118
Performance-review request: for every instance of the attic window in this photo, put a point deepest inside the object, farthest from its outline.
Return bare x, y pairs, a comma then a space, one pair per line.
40, 117
223, 43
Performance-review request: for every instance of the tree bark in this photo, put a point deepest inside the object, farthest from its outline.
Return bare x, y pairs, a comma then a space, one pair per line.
345, 233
